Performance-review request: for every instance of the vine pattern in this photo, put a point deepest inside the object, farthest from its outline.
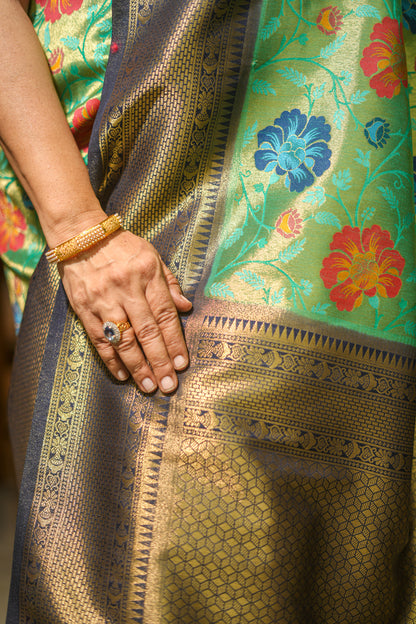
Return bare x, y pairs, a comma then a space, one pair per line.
293, 186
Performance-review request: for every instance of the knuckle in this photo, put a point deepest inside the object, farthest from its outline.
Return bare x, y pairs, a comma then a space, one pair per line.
148, 332
148, 266
166, 316
128, 341
140, 369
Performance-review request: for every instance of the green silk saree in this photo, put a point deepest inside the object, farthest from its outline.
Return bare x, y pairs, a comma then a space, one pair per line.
265, 148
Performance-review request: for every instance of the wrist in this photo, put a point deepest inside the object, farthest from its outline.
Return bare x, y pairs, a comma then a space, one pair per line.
60, 228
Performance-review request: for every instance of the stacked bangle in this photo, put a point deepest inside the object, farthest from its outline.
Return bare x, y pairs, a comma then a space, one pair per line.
85, 240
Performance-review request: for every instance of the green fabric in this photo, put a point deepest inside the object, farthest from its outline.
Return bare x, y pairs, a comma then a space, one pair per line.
320, 217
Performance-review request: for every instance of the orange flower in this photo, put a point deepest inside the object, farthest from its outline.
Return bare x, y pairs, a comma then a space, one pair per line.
56, 60
12, 226
362, 264
289, 224
385, 59
83, 121
329, 20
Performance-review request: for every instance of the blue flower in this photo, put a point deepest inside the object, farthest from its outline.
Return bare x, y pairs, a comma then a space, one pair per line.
295, 147
377, 132
409, 14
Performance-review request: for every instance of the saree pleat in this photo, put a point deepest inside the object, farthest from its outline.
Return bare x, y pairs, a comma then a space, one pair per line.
275, 485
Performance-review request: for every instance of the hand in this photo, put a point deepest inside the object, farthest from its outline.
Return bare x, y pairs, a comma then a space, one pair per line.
123, 278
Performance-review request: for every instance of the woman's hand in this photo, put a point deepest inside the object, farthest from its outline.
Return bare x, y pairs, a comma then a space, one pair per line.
123, 278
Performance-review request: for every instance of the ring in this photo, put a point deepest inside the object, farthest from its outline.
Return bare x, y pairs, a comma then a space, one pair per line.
112, 331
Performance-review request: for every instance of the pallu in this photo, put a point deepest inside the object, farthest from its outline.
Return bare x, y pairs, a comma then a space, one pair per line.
265, 149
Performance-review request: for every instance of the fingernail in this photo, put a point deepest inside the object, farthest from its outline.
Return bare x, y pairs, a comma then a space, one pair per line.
148, 384
122, 375
179, 362
185, 299
167, 384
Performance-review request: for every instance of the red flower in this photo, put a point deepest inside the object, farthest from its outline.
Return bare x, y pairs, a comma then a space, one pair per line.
289, 224
385, 58
83, 121
363, 264
56, 60
12, 226
54, 9
329, 20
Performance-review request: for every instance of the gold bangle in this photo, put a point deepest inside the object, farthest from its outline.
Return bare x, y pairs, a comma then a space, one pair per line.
85, 240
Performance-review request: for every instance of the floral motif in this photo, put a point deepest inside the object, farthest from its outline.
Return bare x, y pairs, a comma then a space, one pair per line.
12, 226
56, 60
409, 14
83, 121
289, 223
329, 20
377, 131
295, 147
54, 9
363, 264
385, 60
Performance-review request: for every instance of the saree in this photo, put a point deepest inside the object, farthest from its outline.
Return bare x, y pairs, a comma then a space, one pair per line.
265, 149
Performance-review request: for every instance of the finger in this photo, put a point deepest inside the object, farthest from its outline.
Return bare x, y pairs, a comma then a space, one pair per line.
181, 302
124, 359
149, 335
94, 329
135, 361
168, 322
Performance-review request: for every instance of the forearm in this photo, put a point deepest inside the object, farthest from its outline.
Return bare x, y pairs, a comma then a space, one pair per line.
35, 134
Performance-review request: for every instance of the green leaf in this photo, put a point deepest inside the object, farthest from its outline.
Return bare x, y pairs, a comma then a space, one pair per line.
288, 254
342, 180
320, 308
316, 195
306, 286
338, 118
263, 87
104, 27
277, 297
374, 302
327, 218
333, 47
270, 28
366, 10
92, 9
318, 92
359, 97
100, 54
218, 289
256, 281
235, 236
293, 75
410, 328
47, 37
390, 197
70, 42
346, 77
250, 134
363, 159
412, 277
